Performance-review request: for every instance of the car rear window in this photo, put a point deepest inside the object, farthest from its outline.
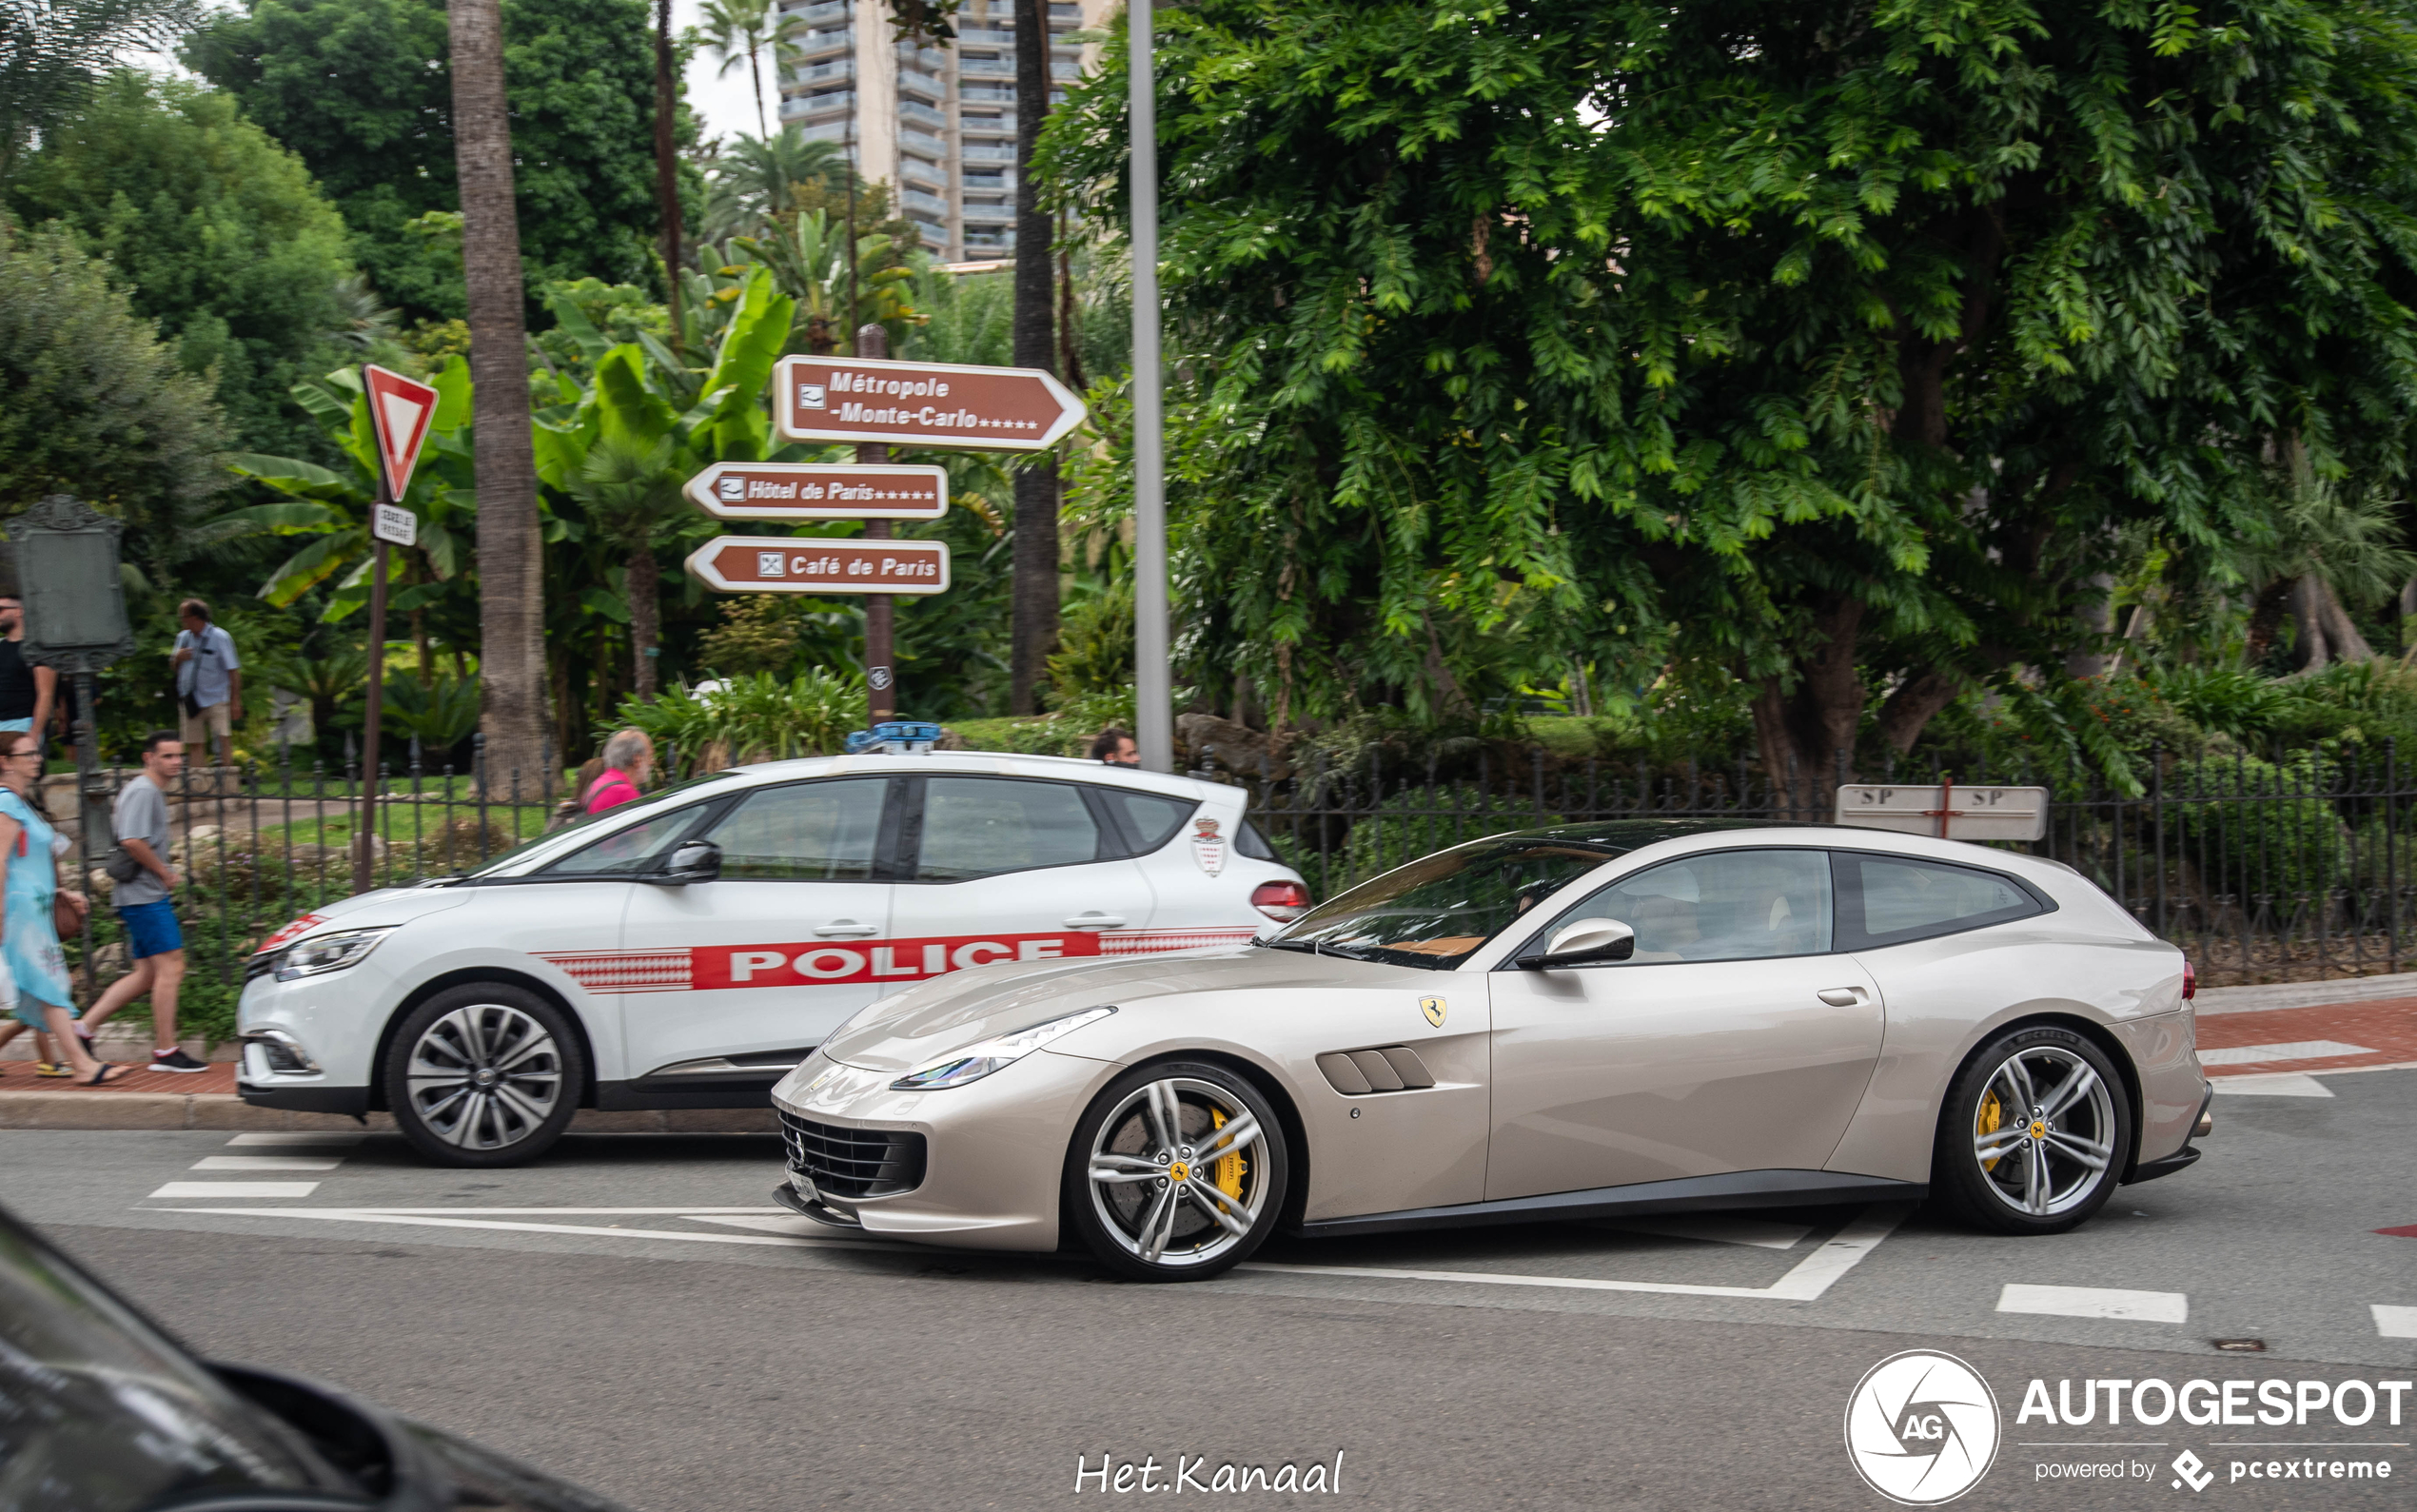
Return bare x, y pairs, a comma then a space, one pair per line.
1894, 899
1149, 821
984, 825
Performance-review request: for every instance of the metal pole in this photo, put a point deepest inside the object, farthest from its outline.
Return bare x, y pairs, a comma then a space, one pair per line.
880, 679
1154, 680
364, 841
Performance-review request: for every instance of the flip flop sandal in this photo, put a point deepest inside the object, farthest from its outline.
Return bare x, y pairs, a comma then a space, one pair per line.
102, 1078
52, 1069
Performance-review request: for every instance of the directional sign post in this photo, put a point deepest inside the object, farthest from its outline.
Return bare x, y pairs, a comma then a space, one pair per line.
942, 404
400, 409
820, 491
798, 564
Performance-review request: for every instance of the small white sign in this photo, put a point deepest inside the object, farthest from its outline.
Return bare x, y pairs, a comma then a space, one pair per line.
771, 564
395, 525
1949, 811
810, 396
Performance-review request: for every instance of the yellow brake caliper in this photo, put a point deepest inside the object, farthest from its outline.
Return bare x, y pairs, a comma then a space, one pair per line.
1991, 1116
1228, 1171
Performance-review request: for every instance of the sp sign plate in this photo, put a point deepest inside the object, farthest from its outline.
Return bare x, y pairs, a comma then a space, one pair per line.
770, 564
1949, 811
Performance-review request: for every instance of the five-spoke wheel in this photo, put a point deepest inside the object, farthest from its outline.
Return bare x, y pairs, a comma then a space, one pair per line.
1176, 1172
484, 1074
2036, 1133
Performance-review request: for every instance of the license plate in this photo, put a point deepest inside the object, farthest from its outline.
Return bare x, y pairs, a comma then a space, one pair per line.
805, 1187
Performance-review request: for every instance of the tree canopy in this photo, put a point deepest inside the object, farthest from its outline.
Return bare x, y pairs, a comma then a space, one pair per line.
1831, 344
219, 233
359, 88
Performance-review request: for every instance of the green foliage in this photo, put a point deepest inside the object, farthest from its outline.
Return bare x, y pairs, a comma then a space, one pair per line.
359, 88
440, 715
1096, 644
96, 404
2260, 831
219, 233
761, 717
53, 56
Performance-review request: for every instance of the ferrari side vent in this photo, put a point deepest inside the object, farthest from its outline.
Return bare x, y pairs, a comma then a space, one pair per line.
1386, 1069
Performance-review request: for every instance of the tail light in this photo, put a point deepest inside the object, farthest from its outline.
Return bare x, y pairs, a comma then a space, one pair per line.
1281, 901
2189, 981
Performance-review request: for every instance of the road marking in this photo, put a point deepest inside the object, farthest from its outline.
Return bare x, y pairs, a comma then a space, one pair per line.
2095, 1302
1814, 1274
786, 1222
267, 1163
2394, 1323
235, 1189
1714, 1229
332, 1137
2304, 1050
2273, 1084
430, 1220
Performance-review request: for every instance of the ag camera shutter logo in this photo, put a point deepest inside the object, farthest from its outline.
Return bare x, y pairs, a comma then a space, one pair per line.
1921, 1428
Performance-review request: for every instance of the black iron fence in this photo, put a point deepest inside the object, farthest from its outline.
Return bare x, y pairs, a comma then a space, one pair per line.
2289, 867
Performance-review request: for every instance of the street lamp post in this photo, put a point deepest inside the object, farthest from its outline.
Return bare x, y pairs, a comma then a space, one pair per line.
1153, 690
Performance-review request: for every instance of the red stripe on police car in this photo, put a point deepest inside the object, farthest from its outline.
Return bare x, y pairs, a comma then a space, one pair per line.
823, 964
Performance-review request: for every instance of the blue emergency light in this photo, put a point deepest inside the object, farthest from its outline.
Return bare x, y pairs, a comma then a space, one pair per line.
895, 738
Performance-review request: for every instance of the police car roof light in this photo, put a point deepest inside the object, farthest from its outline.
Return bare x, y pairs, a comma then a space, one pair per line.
895, 738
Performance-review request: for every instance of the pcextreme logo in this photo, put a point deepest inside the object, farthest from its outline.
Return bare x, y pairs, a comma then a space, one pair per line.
1921, 1428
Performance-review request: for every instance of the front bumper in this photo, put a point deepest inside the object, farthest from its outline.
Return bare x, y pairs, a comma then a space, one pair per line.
995, 1150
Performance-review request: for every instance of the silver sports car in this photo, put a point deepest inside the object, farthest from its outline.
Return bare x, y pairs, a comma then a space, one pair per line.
1574, 1022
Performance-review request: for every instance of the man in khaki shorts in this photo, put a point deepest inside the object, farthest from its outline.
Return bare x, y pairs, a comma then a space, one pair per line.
210, 681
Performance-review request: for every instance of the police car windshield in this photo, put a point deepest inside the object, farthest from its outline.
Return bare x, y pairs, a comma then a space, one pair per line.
555, 839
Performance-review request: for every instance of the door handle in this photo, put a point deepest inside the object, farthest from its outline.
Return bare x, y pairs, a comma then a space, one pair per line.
1840, 996
1095, 920
846, 929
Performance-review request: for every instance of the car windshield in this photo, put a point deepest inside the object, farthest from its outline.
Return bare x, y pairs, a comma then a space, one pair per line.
98, 1411
559, 839
1437, 911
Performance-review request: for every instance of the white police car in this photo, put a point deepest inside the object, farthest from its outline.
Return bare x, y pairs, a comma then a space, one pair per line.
686, 950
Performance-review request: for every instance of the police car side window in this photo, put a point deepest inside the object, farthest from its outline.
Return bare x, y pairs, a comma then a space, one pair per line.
983, 826
626, 853
803, 831
1150, 821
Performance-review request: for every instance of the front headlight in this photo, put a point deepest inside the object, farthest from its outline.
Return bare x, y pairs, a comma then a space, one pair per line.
329, 953
979, 1060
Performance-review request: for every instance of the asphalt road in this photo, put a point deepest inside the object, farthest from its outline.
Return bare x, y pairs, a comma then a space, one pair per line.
635, 1314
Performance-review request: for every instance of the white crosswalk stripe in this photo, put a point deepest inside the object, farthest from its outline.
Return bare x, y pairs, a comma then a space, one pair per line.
2301, 1049
2095, 1302
237, 1189
268, 1163
300, 1137
2394, 1323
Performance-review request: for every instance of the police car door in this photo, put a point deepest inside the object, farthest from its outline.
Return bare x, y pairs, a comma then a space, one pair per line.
998, 869
784, 946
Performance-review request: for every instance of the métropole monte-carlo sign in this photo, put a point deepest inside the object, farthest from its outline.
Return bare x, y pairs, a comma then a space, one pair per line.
945, 404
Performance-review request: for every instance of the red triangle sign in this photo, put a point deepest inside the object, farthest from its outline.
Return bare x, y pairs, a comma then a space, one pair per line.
400, 409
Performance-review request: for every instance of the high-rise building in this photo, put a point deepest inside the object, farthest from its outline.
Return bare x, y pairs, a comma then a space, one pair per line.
937, 123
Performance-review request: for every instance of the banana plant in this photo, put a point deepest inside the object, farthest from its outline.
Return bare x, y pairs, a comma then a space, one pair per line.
332, 506
617, 450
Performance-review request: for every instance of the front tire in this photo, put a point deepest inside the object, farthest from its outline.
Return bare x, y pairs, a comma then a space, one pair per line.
484, 1074
2035, 1135
1176, 1172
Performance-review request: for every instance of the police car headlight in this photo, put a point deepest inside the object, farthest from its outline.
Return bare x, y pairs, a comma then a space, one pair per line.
979, 1059
329, 953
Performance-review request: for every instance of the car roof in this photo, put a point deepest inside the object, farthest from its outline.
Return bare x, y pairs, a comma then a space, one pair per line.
999, 763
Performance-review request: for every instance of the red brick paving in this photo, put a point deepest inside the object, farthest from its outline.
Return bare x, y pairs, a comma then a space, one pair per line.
2388, 1027
17, 1076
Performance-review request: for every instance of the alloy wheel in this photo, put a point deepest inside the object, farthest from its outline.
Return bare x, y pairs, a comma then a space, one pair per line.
485, 1077
2044, 1131
1179, 1172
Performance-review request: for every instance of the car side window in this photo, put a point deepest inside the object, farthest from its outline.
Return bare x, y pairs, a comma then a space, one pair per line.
1727, 906
1892, 899
627, 853
1150, 821
803, 831
984, 825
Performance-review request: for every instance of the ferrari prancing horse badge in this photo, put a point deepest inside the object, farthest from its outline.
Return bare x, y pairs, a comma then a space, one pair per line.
1434, 1010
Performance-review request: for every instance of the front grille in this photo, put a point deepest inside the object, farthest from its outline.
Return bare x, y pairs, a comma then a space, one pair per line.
853, 1162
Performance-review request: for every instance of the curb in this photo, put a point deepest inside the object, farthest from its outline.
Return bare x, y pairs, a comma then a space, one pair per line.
2304, 994
124, 1110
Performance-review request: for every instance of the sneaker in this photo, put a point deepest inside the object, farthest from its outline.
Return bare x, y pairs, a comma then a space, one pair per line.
52, 1069
176, 1060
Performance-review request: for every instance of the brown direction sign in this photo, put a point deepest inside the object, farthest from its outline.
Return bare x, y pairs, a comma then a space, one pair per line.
820, 491
770, 564
852, 398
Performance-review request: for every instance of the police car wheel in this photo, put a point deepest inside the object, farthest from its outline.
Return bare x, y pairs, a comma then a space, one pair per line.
484, 1074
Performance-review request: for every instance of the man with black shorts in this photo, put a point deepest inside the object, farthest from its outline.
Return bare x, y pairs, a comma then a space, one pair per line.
153, 937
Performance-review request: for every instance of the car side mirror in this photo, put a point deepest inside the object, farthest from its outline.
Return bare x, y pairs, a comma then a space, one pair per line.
1588, 942
690, 861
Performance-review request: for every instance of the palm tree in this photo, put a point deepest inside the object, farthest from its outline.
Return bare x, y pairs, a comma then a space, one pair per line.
1034, 633
51, 55
631, 489
2332, 545
756, 179
511, 565
740, 30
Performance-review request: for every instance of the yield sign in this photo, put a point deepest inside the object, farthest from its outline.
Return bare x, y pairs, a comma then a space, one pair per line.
400, 409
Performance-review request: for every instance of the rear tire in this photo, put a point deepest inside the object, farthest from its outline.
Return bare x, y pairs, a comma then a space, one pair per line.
484, 1074
2035, 1136
1158, 1189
